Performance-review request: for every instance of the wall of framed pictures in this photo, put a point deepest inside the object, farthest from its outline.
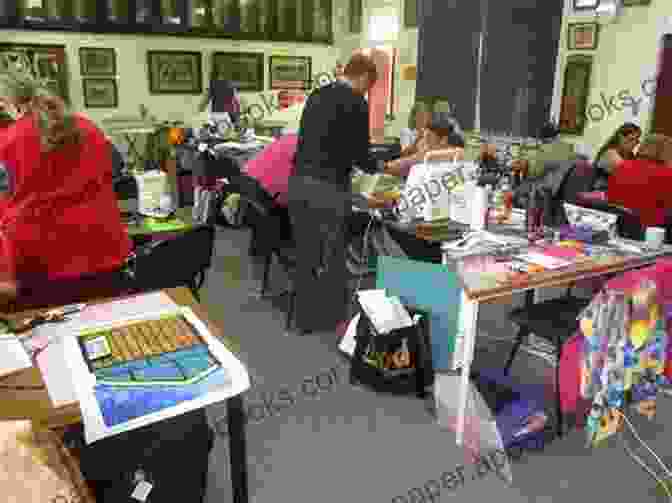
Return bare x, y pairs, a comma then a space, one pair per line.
89, 69
271, 20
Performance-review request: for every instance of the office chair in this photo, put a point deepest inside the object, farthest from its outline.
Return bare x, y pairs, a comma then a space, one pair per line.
179, 261
271, 236
554, 320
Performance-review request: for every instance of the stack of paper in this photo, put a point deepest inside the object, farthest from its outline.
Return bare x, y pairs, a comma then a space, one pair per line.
386, 313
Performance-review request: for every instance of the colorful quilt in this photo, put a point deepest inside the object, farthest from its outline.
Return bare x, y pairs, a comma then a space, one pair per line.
624, 355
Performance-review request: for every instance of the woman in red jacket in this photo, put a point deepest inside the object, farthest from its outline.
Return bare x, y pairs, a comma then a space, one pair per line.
59, 218
645, 184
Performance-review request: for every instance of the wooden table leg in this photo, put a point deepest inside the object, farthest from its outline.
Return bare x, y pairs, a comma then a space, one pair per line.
237, 448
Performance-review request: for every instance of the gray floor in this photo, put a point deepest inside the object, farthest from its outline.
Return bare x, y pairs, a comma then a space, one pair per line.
341, 444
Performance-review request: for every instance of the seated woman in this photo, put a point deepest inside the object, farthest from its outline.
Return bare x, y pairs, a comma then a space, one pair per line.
619, 147
59, 217
440, 143
411, 137
645, 183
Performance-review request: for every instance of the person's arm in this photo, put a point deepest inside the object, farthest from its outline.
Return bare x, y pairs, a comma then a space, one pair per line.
448, 154
360, 131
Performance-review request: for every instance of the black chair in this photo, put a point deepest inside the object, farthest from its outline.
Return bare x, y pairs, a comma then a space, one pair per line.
554, 320
181, 260
271, 235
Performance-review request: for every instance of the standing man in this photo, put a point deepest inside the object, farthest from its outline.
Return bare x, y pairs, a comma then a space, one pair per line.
333, 136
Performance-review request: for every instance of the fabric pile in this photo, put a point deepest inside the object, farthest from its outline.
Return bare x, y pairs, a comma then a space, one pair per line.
623, 356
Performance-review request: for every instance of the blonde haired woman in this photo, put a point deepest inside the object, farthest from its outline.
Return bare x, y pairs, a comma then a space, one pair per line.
59, 217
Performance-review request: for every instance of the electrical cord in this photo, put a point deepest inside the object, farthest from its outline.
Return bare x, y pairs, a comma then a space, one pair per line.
639, 460
365, 254
668, 472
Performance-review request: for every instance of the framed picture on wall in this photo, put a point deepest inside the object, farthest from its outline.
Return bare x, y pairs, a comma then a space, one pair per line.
632, 3
582, 36
575, 91
586, 4
97, 62
174, 72
290, 72
44, 62
100, 93
244, 69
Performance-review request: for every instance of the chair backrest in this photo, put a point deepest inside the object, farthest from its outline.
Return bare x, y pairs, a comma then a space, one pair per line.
580, 179
117, 162
176, 261
263, 214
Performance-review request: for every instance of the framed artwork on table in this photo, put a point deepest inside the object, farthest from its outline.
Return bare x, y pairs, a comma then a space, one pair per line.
582, 36
290, 72
244, 69
97, 62
586, 4
100, 93
174, 72
575, 89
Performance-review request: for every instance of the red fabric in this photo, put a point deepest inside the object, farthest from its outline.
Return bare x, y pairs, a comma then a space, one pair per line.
61, 219
643, 186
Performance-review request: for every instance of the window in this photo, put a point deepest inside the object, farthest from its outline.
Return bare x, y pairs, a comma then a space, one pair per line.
226, 15
355, 16
171, 12
85, 11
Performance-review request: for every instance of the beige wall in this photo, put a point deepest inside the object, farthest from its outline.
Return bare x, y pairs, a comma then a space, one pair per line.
626, 56
133, 84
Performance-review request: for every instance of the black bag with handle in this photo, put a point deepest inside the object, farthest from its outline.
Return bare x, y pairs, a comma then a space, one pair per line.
380, 361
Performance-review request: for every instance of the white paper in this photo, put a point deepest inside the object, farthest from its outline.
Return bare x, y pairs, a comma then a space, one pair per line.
56, 373
13, 356
386, 313
84, 381
142, 490
544, 261
348, 341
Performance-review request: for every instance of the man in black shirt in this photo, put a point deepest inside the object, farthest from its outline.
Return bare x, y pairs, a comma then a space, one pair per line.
333, 136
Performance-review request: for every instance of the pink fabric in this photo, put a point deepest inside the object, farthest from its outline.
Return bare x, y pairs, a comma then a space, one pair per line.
592, 196
570, 373
273, 166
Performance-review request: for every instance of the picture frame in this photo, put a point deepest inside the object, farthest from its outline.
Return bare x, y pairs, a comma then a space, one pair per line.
575, 90
100, 93
586, 4
635, 3
45, 62
97, 62
290, 72
244, 69
175, 72
582, 36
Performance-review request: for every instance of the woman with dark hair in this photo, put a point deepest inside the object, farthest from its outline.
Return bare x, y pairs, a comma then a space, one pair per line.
222, 101
442, 140
59, 216
619, 147
411, 137
644, 184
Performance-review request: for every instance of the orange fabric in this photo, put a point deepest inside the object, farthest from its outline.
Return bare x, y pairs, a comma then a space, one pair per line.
643, 186
61, 219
